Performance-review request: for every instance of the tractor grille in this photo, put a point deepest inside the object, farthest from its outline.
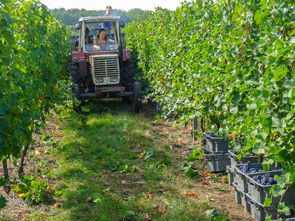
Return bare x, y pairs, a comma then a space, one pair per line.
105, 69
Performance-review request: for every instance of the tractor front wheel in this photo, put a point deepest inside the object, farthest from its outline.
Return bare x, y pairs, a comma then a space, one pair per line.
136, 97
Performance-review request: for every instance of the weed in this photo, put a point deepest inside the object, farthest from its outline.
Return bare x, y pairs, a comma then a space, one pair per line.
31, 189
196, 154
189, 170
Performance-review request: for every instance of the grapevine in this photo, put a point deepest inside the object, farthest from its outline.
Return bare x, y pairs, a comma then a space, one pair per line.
33, 66
229, 62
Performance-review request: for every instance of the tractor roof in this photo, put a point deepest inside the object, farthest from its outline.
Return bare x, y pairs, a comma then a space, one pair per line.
100, 19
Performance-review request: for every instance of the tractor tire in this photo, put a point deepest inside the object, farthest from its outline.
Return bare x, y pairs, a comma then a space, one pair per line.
136, 104
77, 105
126, 100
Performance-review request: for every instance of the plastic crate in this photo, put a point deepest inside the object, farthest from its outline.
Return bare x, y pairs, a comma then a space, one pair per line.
245, 159
214, 143
217, 162
241, 198
260, 212
240, 177
206, 151
260, 193
230, 175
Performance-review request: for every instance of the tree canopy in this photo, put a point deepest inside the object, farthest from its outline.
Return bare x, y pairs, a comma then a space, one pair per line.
71, 16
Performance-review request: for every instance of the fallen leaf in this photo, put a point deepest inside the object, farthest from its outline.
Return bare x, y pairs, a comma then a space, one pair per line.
161, 211
22, 195
55, 134
210, 199
57, 127
189, 194
230, 136
147, 217
57, 205
192, 195
50, 188
25, 218
148, 195
164, 133
206, 174
204, 182
180, 141
224, 179
37, 152
182, 194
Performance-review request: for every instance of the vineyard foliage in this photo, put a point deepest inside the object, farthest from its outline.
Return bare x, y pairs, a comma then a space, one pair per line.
33, 64
230, 62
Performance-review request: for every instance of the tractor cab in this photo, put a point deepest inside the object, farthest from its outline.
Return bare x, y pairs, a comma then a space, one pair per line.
90, 28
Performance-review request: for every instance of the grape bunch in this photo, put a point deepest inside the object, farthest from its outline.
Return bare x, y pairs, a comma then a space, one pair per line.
265, 179
247, 168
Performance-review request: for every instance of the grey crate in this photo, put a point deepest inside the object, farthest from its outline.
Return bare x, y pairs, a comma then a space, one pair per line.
214, 143
240, 177
260, 193
260, 212
241, 198
245, 159
217, 162
230, 174
206, 151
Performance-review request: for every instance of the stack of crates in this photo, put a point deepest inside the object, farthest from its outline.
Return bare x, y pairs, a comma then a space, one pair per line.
235, 161
252, 194
215, 152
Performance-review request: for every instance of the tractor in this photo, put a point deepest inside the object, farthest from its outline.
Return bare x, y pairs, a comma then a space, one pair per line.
103, 70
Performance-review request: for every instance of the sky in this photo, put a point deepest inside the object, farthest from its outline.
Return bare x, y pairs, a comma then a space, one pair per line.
116, 4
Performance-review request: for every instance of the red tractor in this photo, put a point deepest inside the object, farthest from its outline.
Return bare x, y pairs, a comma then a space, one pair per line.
103, 70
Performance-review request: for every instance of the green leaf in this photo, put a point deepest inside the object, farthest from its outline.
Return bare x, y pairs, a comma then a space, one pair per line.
268, 202
2, 202
196, 154
276, 190
2, 181
222, 217
252, 106
285, 209
148, 155
280, 72
266, 122
126, 213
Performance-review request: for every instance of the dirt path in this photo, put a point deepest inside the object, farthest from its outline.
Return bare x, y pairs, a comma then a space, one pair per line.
209, 189
142, 179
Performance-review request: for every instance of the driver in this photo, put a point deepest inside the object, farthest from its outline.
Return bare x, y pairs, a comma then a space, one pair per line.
101, 43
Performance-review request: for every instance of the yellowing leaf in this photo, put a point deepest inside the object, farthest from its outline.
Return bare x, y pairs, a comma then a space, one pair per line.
22, 195
57, 205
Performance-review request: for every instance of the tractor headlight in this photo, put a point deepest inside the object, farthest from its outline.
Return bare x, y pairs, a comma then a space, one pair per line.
114, 79
99, 80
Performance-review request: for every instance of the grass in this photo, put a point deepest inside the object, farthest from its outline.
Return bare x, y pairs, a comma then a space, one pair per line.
110, 166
